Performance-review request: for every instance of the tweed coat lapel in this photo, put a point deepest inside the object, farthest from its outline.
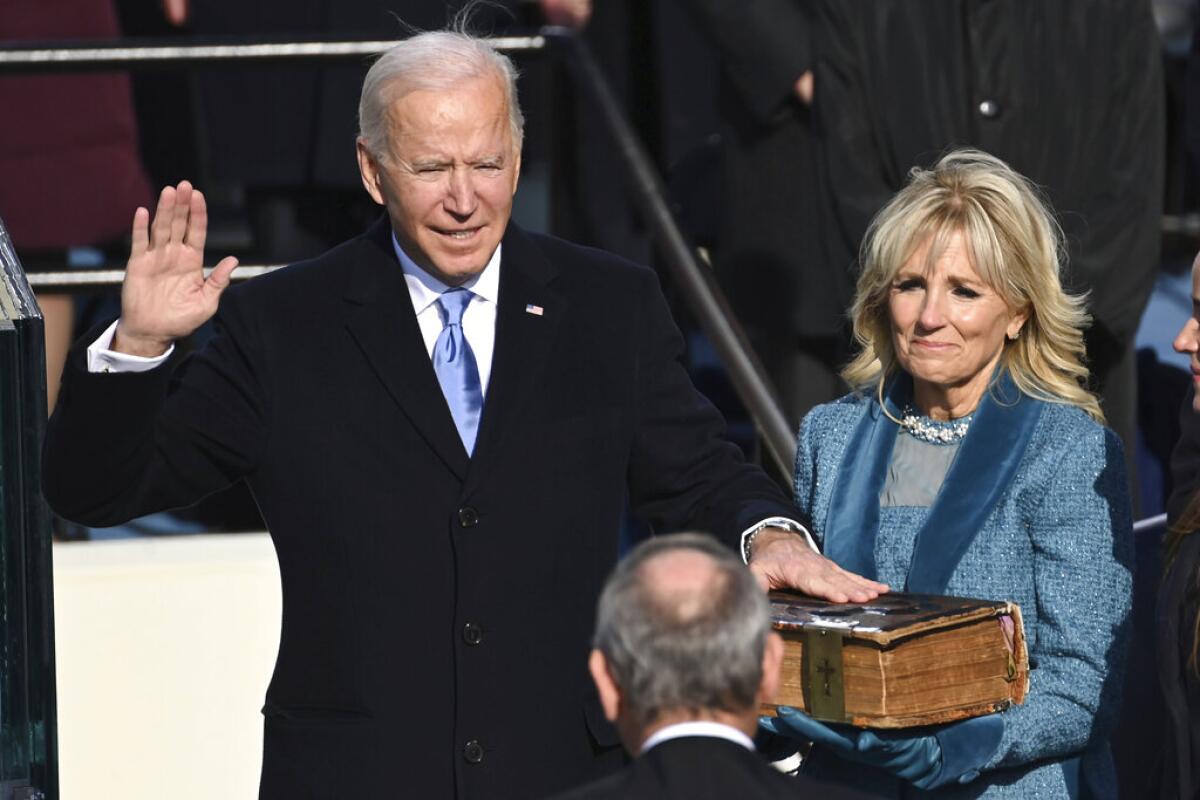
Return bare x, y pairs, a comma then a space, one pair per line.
982, 471
379, 315
523, 341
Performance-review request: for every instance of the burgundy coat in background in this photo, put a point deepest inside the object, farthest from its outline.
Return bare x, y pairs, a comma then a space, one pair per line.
69, 167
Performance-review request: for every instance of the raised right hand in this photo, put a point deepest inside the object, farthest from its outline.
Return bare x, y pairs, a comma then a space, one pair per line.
165, 295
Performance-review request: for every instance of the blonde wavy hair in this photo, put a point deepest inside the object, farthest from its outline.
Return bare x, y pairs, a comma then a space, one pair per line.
1016, 246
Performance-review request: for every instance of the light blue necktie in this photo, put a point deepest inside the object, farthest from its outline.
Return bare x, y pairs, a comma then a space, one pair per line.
456, 369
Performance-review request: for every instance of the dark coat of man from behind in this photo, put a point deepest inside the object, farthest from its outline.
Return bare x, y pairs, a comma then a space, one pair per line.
436, 606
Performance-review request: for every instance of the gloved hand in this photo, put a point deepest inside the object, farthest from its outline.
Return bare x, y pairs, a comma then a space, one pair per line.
915, 758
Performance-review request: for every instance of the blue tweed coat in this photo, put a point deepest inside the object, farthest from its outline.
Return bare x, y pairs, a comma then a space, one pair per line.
1058, 541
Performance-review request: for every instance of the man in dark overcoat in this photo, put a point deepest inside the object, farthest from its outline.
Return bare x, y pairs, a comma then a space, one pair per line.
440, 421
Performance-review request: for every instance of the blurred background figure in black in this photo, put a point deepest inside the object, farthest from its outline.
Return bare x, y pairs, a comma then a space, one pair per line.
69, 163
826, 105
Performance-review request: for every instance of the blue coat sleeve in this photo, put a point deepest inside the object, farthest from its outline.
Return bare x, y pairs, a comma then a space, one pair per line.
1081, 536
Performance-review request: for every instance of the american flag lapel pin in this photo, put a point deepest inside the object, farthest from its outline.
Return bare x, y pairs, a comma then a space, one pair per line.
537, 311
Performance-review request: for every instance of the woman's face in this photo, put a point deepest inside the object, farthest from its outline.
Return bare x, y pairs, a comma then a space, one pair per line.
948, 328
1188, 339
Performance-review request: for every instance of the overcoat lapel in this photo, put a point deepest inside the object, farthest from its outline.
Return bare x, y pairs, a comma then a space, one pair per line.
380, 318
523, 342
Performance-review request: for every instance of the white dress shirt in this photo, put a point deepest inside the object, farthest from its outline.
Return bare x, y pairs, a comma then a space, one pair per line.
698, 728
479, 319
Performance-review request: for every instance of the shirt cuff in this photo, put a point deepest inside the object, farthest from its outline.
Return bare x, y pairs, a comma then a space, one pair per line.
775, 522
100, 358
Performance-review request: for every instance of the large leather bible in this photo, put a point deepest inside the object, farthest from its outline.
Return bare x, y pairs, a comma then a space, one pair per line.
901, 660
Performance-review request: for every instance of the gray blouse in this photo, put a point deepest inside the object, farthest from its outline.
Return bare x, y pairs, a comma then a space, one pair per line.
916, 472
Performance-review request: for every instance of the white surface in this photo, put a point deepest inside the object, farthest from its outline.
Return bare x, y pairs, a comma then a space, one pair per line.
164, 650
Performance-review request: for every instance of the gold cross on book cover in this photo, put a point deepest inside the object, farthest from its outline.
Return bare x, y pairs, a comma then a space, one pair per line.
900, 660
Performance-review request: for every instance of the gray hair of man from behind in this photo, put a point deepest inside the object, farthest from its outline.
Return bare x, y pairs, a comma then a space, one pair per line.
692, 650
434, 61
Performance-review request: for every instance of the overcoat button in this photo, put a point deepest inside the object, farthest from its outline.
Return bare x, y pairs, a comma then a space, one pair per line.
468, 517
472, 634
473, 752
989, 109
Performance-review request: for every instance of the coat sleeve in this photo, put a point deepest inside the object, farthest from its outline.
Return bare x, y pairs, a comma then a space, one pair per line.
683, 473
122, 445
806, 470
764, 47
1082, 540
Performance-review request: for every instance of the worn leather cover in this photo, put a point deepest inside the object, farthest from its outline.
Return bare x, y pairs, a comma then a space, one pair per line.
901, 660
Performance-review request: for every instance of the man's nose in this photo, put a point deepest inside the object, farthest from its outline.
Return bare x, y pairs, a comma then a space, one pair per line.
461, 199
1188, 339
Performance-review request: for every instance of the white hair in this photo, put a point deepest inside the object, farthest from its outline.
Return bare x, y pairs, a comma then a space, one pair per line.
432, 61
696, 649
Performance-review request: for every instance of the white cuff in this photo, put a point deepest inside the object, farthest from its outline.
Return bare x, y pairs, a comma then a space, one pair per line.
102, 359
776, 522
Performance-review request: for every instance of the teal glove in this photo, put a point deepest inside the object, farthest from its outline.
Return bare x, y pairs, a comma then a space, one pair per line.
916, 759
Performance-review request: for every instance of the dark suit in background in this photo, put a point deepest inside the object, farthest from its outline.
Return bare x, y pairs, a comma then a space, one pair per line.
1070, 94
436, 609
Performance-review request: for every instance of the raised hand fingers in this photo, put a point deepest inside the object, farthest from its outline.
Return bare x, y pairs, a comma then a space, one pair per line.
197, 228
140, 236
218, 279
160, 227
181, 212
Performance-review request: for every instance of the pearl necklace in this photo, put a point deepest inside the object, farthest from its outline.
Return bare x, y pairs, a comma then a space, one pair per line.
928, 430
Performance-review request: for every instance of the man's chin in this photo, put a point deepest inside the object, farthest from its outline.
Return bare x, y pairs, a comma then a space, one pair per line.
458, 269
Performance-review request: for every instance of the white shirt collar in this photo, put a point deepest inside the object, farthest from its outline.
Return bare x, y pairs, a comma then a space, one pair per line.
698, 728
425, 289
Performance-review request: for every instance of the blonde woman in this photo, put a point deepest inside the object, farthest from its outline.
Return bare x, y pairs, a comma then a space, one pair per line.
971, 461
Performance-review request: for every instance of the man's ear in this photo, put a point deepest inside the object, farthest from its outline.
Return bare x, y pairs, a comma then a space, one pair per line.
368, 168
772, 665
606, 687
516, 171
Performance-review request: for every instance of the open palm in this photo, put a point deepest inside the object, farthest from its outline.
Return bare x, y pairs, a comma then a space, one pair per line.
165, 295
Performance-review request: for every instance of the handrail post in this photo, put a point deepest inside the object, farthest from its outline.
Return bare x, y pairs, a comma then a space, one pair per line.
696, 281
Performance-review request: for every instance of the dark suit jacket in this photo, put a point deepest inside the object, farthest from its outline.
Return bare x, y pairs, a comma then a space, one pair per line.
1178, 773
704, 768
437, 609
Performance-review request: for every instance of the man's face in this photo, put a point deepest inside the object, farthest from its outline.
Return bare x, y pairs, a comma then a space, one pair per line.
447, 176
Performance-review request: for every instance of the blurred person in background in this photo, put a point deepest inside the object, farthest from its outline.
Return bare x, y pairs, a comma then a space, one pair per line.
1177, 621
69, 163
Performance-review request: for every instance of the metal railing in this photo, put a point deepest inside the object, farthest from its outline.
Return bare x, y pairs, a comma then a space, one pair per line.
106, 56
694, 279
